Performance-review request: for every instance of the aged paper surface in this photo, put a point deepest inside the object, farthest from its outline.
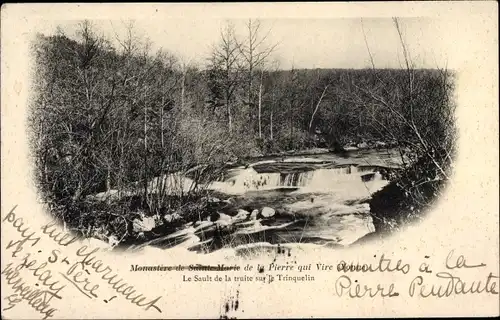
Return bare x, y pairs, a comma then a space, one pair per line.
445, 265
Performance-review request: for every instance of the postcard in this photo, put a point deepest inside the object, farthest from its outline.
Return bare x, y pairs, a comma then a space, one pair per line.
249, 160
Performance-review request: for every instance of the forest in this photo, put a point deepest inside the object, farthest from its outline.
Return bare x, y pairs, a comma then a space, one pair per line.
111, 115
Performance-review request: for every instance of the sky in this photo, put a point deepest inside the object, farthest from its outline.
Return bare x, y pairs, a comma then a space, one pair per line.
302, 42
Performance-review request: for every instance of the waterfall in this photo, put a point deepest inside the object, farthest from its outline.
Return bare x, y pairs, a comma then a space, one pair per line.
295, 179
320, 179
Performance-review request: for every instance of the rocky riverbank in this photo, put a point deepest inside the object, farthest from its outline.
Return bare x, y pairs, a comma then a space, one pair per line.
318, 199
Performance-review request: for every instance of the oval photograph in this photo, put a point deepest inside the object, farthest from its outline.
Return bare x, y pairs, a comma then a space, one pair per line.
329, 132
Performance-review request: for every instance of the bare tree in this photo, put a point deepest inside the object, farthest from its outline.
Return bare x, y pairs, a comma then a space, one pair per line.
317, 106
260, 103
185, 65
225, 57
276, 94
411, 117
255, 54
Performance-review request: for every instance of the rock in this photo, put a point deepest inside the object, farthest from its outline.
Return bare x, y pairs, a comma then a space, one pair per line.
213, 199
254, 214
172, 217
241, 215
224, 220
113, 241
368, 177
158, 220
224, 217
144, 224
267, 212
362, 145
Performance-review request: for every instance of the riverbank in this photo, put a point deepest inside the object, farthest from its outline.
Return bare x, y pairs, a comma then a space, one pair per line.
319, 199
408, 197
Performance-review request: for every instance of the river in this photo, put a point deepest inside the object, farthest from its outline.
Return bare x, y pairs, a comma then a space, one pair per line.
320, 199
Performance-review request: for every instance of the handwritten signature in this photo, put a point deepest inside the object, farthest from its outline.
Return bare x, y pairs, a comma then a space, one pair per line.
37, 299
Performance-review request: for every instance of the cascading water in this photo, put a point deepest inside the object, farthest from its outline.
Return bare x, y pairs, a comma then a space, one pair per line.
295, 179
318, 179
307, 200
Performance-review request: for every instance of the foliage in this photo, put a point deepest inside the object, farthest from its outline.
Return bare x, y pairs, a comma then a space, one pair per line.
123, 120
110, 120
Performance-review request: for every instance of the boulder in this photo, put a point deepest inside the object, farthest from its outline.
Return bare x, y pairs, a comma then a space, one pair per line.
267, 212
368, 177
144, 224
241, 215
253, 215
224, 220
224, 217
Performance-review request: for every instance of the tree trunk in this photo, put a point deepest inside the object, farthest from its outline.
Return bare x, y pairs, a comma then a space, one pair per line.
121, 171
182, 88
108, 178
108, 182
78, 192
124, 126
229, 119
145, 156
260, 107
317, 106
250, 113
271, 126
161, 125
